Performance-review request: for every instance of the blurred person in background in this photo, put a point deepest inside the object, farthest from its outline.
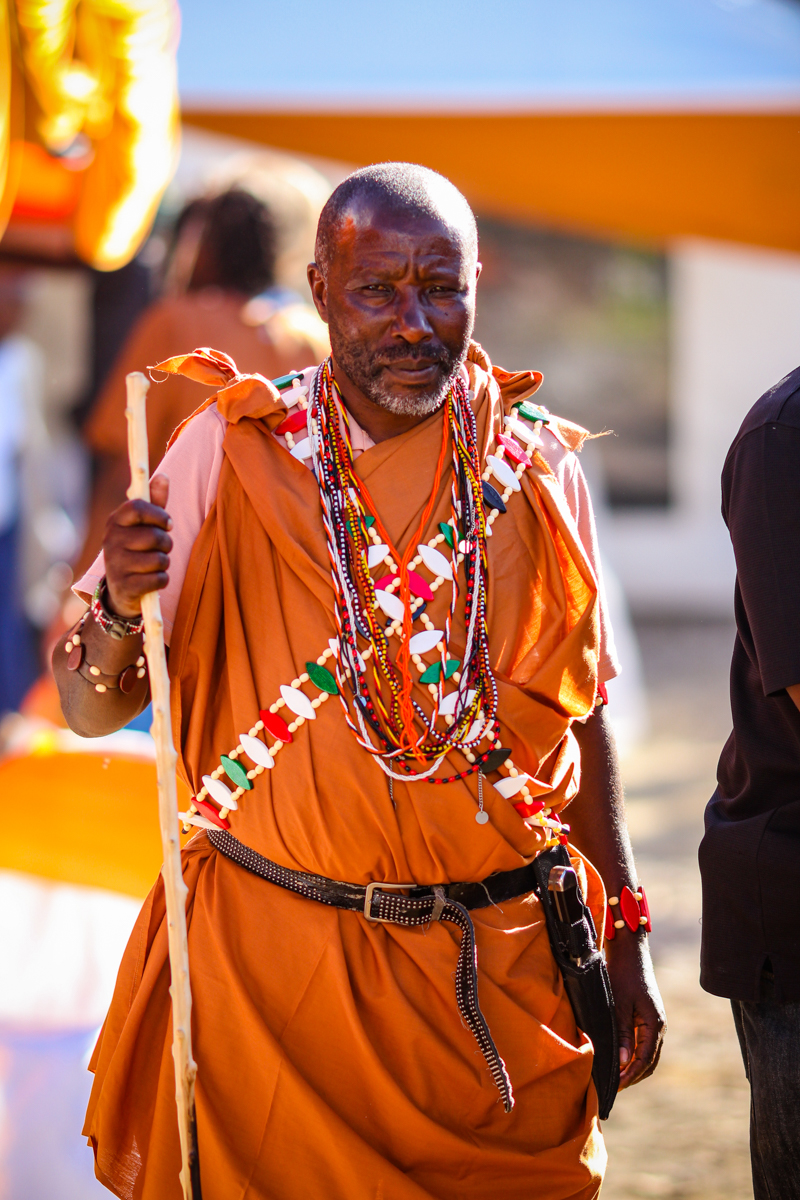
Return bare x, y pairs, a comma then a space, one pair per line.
21, 425
749, 856
220, 290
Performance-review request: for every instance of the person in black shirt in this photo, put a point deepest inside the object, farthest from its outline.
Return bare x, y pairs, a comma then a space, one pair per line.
750, 854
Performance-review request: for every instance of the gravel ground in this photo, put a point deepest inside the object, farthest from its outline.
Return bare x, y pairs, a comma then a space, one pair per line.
684, 1132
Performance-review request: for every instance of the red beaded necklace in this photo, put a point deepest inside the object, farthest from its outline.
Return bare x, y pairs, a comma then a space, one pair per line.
395, 728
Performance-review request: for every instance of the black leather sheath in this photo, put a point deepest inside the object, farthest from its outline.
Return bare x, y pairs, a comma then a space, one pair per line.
586, 980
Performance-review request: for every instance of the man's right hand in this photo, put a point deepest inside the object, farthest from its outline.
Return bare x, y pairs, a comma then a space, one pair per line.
136, 548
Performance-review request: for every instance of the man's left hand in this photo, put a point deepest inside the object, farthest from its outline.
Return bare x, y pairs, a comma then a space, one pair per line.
641, 1019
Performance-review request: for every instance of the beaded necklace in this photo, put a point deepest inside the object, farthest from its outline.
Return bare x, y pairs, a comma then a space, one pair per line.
345, 504
279, 733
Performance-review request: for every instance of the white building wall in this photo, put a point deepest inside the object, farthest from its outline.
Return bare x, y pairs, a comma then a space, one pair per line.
735, 332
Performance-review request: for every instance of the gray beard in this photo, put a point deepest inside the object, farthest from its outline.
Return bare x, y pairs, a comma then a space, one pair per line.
422, 404
369, 377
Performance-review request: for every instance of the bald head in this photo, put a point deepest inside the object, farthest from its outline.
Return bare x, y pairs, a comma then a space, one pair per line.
404, 189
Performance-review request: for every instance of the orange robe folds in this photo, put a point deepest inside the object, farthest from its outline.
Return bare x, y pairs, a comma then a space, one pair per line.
332, 1061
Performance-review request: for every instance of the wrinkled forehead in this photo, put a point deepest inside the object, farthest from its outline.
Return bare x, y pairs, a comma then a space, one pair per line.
371, 225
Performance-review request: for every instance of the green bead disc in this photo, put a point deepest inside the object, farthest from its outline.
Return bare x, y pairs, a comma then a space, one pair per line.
285, 381
236, 772
451, 667
532, 412
431, 674
447, 530
322, 677
369, 521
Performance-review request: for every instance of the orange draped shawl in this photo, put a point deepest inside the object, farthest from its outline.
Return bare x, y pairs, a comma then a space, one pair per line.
331, 1058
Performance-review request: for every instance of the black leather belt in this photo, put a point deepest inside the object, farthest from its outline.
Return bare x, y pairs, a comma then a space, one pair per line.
408, 904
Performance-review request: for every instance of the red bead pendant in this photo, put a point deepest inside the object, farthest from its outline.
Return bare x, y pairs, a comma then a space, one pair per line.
127, 680
645, 910
209, 811
275, 725
419, 587
76, 657
296, 420
629, 907
610, 931
514, 450
529, 808
415, 581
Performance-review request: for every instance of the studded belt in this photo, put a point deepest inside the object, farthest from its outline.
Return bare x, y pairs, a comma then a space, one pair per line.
408, 904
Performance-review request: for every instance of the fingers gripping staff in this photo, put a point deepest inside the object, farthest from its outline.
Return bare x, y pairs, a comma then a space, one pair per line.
174, 887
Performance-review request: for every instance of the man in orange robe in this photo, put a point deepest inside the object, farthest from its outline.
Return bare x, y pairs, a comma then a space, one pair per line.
332, 1061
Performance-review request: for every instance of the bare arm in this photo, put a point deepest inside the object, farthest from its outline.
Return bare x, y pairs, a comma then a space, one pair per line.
136, 548
599, 830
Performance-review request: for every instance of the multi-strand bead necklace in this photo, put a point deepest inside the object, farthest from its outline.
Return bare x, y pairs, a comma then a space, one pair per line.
358, 544
387, 727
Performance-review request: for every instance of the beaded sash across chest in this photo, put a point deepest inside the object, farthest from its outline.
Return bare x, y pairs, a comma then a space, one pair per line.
389, 723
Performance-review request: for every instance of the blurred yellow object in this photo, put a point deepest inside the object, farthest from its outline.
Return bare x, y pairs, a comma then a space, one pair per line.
44, 743
82, 818
98, 81
46, 190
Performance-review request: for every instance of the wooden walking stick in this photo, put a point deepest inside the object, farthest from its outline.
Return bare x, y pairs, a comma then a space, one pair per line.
166, 759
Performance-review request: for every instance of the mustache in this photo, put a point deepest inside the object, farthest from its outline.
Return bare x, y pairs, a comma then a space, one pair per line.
431, 352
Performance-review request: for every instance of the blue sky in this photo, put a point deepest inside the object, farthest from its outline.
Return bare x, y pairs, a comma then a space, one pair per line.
489, 52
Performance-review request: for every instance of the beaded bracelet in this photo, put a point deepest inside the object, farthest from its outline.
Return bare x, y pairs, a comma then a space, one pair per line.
115, 626
634, 909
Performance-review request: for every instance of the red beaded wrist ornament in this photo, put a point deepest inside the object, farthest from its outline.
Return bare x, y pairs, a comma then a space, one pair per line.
634, 910
115, 626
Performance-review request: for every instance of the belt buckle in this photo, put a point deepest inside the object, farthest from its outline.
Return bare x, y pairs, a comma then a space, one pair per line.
382, 887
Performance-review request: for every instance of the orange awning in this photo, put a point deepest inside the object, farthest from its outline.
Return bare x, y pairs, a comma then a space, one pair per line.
650, 176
